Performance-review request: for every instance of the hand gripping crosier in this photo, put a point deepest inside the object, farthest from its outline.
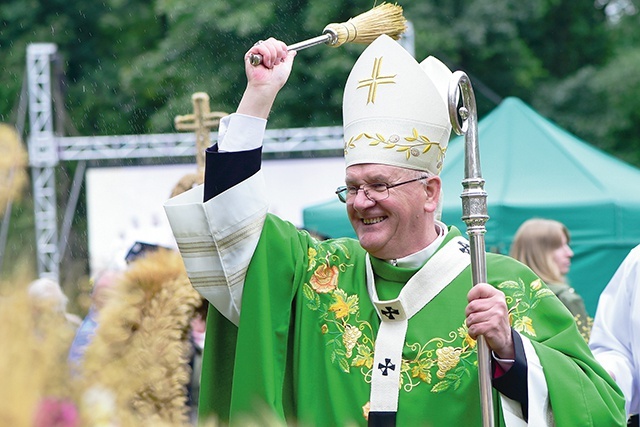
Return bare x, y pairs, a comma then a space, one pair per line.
383, 19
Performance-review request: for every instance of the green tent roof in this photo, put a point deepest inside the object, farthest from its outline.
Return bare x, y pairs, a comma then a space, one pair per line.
533, 168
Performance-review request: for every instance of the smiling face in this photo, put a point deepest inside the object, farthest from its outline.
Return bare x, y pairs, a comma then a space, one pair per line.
403, 223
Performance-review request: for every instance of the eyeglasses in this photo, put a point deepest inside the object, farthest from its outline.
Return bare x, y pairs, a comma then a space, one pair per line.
375, 192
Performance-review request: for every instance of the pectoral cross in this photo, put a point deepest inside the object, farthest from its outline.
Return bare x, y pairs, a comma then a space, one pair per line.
201, 121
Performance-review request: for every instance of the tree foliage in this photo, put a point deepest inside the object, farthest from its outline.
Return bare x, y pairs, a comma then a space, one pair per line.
599, 101
131, 66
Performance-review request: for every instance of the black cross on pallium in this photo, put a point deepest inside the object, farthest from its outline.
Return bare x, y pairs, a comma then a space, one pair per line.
464, 247
387, 365
390, 311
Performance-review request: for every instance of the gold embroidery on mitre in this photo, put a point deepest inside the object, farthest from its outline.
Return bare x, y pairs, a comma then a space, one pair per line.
375, 80
415, 145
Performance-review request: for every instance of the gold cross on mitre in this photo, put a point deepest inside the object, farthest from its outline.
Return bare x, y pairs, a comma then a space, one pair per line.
375, 80
201, 121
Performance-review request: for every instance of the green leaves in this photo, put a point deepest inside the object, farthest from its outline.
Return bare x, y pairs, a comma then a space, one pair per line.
131, 66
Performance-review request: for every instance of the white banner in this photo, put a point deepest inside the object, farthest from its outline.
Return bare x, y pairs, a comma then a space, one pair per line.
124, 204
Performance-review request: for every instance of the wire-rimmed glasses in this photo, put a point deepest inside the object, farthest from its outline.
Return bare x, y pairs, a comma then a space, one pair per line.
375, 192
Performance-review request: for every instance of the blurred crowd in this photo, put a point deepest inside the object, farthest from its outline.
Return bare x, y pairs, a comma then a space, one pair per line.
133, 360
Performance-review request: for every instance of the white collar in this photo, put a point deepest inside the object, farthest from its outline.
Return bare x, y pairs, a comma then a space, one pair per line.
418, 259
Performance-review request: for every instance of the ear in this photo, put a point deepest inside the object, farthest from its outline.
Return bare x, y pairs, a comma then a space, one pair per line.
432, 190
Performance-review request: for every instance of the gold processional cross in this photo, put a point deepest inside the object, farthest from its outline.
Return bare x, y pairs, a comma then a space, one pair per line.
201, 121
375, 80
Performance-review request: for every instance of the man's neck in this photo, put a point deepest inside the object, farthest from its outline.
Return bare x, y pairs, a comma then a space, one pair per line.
418, 259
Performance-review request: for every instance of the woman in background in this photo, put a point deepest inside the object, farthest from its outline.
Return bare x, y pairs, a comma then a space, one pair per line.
543, 245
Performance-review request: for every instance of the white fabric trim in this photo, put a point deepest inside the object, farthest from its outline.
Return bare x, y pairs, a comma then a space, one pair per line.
443, 267
512, 412
387, 364
217, 239
540, 414
239, 132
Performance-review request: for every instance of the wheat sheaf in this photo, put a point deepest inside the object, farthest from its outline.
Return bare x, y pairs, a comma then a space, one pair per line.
13, 163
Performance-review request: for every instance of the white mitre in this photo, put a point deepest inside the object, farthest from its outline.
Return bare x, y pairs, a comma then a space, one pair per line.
395, 110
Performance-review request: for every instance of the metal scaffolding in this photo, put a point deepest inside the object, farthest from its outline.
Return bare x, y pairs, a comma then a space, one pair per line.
42, 156
46, 151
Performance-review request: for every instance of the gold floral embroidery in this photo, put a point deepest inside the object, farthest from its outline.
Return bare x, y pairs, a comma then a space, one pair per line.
442, 363
448, 358
415, 144
350, 338
365, 410
344, 305
521, 299
311, 253
340, 315
364, 357
324, 279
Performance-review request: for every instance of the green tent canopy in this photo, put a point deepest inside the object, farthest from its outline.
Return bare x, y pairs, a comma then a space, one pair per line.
533, 168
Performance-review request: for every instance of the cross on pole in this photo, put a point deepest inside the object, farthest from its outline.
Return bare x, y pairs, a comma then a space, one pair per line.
201, 121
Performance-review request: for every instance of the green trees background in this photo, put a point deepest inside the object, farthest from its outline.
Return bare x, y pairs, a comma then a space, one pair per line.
129, 67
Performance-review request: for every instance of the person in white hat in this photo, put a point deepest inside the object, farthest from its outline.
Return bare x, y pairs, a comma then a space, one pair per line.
378, 330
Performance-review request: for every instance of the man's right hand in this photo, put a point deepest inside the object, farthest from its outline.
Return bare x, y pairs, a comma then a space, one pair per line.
265, 80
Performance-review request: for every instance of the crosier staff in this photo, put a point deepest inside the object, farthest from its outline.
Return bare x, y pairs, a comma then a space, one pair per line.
474, 214
383, 19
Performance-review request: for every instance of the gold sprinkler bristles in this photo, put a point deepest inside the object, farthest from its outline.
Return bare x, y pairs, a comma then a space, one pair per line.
385, 18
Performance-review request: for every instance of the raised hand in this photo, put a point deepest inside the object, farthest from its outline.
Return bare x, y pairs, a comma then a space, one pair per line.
265, 80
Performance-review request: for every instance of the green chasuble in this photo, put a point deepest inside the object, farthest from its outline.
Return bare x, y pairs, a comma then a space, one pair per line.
303, 351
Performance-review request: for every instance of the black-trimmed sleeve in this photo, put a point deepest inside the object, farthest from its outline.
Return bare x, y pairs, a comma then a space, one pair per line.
513, 383
226, 169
